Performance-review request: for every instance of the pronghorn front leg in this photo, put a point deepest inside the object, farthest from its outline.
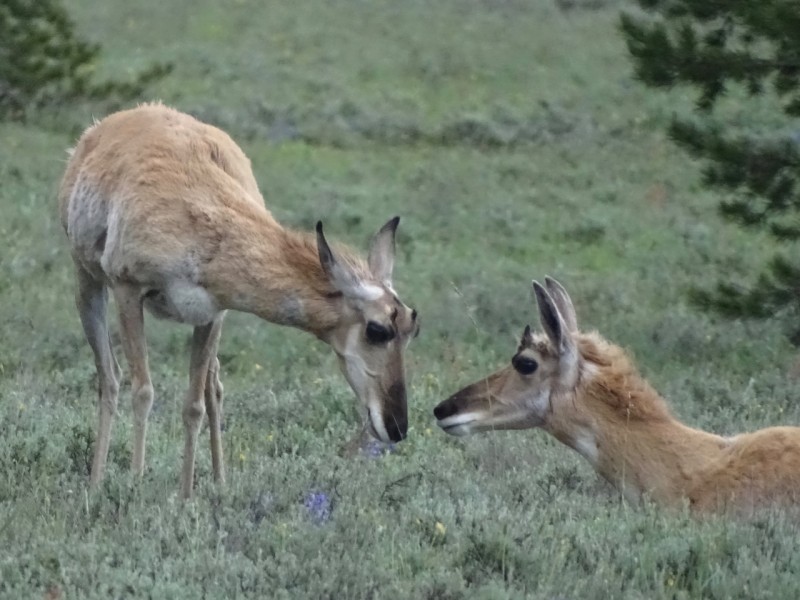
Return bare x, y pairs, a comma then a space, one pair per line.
91, 299
134, 344
213, 397
204, 345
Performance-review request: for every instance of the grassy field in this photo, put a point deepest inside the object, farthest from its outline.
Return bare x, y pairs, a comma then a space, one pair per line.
512, 140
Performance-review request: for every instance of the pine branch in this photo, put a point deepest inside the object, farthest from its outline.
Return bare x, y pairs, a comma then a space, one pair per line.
710, 46
44, 62
776, 289
722, 47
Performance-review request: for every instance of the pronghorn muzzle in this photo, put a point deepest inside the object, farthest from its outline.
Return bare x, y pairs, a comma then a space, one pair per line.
463, 408
495, 402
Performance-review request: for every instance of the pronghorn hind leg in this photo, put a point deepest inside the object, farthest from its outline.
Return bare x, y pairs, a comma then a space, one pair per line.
213, 398
204, 345
134, 344
91, 299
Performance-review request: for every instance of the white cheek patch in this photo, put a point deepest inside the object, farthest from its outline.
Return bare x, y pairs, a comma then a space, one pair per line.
355, 365
586, 446
540, 403
362, 383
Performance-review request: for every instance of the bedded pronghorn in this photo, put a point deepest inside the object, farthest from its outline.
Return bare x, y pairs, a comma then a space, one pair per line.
164, 210
587, 393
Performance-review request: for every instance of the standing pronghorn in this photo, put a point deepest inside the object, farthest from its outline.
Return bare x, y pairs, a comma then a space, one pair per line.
587, 393
165, 211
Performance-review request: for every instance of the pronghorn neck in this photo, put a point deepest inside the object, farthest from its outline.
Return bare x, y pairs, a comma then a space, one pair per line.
621, 425
275, 273
657, 460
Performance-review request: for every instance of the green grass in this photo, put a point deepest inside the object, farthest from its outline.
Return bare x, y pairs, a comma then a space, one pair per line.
514, 143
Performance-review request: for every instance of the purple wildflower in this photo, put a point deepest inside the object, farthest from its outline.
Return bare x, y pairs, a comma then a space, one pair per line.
376, 449
319, 507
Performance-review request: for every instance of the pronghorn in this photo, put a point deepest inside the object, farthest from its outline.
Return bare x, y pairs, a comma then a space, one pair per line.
587, 393
164, 210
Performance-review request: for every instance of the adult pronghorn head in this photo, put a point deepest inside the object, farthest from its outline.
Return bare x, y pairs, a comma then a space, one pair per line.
519, 396
372, 331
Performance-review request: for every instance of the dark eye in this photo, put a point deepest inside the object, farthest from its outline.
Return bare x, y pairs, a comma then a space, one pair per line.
378, 334
524, 365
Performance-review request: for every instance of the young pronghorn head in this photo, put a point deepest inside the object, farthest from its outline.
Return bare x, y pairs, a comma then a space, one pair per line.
519, 396
372, 332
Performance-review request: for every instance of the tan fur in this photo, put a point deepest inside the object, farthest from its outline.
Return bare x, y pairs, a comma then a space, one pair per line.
615, 419
164, 210
617, 385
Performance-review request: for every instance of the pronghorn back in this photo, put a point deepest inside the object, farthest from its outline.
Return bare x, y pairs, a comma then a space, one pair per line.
137, 147
753, 470
587, 392
126, 167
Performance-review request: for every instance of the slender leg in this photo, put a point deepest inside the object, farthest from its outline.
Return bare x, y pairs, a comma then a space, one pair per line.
204, 341
213, 396
131, 320
91, 298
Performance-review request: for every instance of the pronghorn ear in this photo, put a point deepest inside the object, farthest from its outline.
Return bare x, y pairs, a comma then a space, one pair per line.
563, 303
340, 276
552, 322
560, 336
381, 252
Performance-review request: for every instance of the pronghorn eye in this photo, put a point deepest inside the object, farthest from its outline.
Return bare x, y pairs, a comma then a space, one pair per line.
378, 334
524, 365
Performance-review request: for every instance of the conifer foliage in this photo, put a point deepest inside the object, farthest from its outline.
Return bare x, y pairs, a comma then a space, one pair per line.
714, 46
43, 61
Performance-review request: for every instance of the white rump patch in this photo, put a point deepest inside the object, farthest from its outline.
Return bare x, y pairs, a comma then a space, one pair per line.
88, 222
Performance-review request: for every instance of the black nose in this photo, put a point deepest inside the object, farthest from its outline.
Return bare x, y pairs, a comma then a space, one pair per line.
446, 409
396, 420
